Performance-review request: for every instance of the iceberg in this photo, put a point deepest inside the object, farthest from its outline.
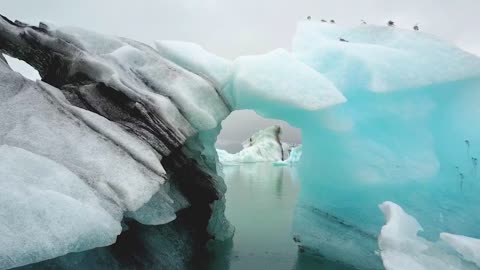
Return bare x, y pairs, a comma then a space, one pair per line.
263, 146
390, 115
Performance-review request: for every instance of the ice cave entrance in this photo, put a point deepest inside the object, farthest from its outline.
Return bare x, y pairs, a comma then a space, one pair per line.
261, 198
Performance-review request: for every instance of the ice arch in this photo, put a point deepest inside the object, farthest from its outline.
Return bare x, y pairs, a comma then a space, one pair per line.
406, 133
389, 115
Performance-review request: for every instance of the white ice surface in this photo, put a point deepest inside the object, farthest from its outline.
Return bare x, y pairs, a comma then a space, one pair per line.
196, 59
277, 79
47, 210
402, 249
77, 172
468, 247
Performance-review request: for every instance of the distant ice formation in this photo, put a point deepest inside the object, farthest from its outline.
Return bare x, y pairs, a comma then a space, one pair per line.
293, 158
263, 146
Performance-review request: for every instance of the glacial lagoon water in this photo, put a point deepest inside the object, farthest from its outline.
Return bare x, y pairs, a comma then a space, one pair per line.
261, 201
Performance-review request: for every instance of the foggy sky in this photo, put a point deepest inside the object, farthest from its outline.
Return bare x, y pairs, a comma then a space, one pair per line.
231, 28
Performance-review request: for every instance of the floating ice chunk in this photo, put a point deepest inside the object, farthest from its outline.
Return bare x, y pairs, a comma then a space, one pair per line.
278, 80
468, 247
402, 249
379, 58
400, 229
197, 60
47, 211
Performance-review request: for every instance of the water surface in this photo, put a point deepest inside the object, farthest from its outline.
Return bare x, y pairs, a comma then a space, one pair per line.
261, 200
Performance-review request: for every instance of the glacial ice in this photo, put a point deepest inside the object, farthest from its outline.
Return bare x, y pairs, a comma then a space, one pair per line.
263, 146
69, 176
402, 248
47, 210
293, 158
272, 81
390, 115
192, 57
134, 68
268, 83
468, 247
379, 58
408, 133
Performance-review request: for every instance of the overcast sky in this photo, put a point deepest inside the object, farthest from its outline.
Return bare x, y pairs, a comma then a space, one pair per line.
238, 27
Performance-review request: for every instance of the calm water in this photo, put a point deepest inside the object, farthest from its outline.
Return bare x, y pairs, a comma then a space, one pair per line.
261, 200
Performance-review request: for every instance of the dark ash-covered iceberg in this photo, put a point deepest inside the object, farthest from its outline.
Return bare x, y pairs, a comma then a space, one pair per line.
113, 132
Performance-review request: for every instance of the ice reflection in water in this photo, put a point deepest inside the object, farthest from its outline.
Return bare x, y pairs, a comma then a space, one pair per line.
261, 200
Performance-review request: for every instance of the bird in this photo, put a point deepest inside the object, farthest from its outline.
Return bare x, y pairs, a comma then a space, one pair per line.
343, 40
391, 23
416, 28
363, 22
309, 18
323, 20
332, 21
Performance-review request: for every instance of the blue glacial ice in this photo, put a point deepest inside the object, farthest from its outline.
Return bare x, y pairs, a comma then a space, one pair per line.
408, 133
389, 115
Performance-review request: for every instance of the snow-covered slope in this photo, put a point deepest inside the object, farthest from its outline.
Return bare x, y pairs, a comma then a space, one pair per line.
263, 146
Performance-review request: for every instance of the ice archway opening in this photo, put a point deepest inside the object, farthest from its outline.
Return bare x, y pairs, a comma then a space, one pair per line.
242, 124
399, 130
